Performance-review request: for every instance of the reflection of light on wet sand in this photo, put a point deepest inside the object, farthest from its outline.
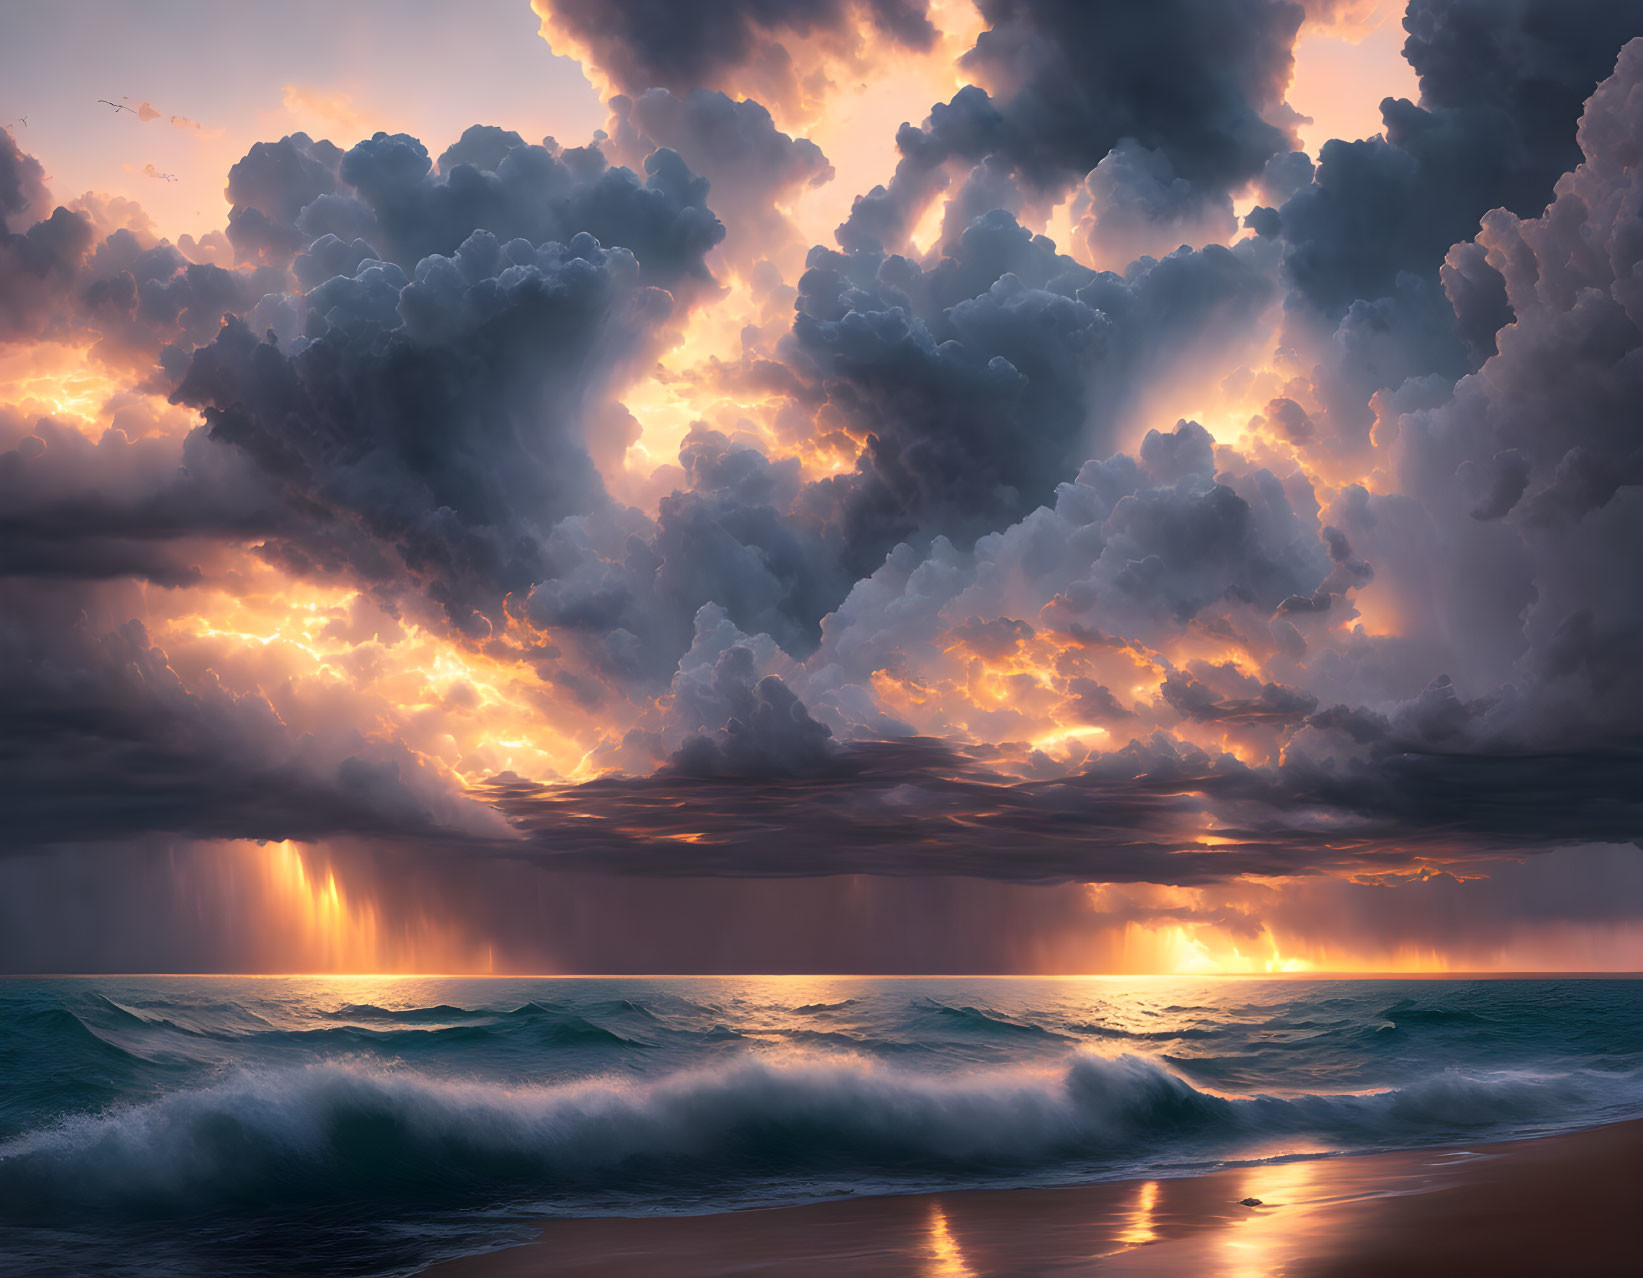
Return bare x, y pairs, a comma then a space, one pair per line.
1139, 1227
1257, 1245
946, 1256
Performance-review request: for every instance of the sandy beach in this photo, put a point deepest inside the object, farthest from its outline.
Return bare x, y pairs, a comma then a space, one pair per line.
1564, 1204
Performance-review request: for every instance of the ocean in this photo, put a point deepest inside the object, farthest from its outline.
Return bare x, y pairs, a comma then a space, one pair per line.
372, 1125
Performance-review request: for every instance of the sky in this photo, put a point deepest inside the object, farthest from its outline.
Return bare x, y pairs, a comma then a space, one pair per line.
860, 486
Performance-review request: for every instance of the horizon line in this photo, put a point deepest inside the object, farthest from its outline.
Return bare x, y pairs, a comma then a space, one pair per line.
1457, 974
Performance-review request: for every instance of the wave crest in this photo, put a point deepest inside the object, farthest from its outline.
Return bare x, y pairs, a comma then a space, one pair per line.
370, 1131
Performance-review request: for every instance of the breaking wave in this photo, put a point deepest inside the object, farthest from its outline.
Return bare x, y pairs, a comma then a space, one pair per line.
373, 1125
371, 1131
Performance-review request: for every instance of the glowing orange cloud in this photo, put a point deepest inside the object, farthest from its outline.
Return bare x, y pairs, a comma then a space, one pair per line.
328, 654
333, 110
51, 379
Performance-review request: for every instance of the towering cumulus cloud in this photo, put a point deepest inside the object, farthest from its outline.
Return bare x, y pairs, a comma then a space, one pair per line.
565, 506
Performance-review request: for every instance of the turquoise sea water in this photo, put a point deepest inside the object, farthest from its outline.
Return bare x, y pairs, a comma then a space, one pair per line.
242, 1125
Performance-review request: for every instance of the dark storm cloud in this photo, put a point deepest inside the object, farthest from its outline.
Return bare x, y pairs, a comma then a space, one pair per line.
446, 446
1269, 704
1188, 547
635, 587
151, 305
1407, 340
134, 296
918, 806
71, 507
654, 44
1090, 702
909, 806
1150, 555
1551, 418
1188, 82
430, 419
1168, 544
410, 212
735, 143
1529, 476
481, 146
752, 165
425, 419
1190, 78
436, 433
37, 268
433, 427
100, 739
386, 195
1133, 203
1477, 294
772, 573
767, 731
979, 383
1183, 549
1502, 85
329, 257
1376, 244
268, 190
983, 381
950, 447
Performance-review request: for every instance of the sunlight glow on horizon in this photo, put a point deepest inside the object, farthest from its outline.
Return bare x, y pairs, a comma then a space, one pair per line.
321, 920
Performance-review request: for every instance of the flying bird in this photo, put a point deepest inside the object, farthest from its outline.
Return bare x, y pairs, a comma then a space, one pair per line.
118, 107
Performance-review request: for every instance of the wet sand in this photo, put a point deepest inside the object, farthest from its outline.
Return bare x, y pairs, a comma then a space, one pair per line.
1566, 1205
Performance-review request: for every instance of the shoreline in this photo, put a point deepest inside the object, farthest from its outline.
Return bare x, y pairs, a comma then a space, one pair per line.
1563, 1203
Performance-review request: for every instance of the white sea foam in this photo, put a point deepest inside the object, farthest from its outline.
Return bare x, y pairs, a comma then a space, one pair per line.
371, 1130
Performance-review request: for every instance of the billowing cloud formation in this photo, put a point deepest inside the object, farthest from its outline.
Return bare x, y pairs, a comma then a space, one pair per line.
505, 342
981, 383
751, 164
1186, 92
385, 193
508, 496
642, 44
1133, 203
1192, 81
71, 274
1502, 85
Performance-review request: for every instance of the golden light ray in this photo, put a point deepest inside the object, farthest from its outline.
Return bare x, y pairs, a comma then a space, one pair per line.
1139, 1225
1259, 1243
310, 913
946, 1257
